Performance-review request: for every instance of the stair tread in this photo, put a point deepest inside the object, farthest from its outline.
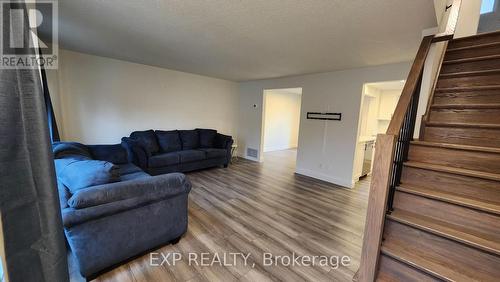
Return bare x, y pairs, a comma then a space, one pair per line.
469, 73
467, 125
392, 270
451, 198
475, 37
471, 59
438, 234
468, 88
451, 231
456, 146
466, 106
429, 262
472, 47
454, 170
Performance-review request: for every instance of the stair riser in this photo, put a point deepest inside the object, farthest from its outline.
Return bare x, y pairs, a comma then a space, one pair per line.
481, 266
471, 66
468, 97
465, 186
484, 39
475, 52
476, 80
454, 214
463, 136
393, 270
481, 116
480, 161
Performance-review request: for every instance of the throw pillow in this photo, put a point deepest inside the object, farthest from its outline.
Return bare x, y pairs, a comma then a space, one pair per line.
190, 139
148, 140
78, 174
169, 140
207, 137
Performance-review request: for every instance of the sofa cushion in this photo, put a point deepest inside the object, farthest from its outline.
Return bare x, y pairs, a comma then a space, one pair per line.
111, 153
169, 140
128, 169
78, 174
148, 140
133, 176
191, 155
207, 137
135, 152
213, 153
166, 159
190, 139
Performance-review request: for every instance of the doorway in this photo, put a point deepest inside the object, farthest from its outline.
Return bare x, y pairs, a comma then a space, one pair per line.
280, 121
378, 104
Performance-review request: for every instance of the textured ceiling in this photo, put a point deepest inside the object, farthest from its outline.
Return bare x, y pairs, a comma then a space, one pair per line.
247, 39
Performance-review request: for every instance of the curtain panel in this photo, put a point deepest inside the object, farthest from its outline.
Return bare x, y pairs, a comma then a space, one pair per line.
31, 219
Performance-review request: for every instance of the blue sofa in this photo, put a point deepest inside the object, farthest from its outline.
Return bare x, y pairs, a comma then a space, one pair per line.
159, 152
126, 212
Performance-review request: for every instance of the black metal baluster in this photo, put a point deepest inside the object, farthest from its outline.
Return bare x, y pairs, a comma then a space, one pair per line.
403, 145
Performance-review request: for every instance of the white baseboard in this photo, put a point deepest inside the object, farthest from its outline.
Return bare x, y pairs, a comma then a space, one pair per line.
348, 183
279, 148
250, 158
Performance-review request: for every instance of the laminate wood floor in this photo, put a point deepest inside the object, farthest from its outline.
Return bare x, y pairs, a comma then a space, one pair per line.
261, 208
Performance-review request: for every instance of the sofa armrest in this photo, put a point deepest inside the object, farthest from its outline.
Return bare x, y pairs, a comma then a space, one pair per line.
136, 153
224, 142
105, 200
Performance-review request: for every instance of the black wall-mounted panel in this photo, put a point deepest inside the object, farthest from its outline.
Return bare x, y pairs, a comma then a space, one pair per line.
324, 116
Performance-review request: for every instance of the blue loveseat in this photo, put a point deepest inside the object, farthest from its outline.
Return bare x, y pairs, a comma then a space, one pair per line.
159, 152
123, 213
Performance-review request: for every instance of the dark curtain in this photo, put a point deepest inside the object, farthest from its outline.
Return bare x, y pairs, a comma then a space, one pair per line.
51, 118
29, 205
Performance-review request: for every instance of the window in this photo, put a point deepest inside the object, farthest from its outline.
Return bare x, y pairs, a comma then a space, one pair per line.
487, 6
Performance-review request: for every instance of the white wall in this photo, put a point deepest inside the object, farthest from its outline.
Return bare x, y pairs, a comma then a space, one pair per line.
467, 25
99, 100
326, 148
368, 116
369, 112
468, 19
281, 120
388, 102
439, 7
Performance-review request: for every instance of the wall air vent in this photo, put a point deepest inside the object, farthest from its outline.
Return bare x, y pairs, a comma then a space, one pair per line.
252, 152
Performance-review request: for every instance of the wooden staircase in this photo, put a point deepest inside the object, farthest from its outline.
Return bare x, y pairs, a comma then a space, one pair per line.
445, 219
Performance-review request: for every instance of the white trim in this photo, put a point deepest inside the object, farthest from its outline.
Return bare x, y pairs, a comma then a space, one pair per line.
325, 177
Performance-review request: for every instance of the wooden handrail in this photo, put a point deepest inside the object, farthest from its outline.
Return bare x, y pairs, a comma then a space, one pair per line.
383, 168
377, 206
411, 85
451, 25
390, 152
